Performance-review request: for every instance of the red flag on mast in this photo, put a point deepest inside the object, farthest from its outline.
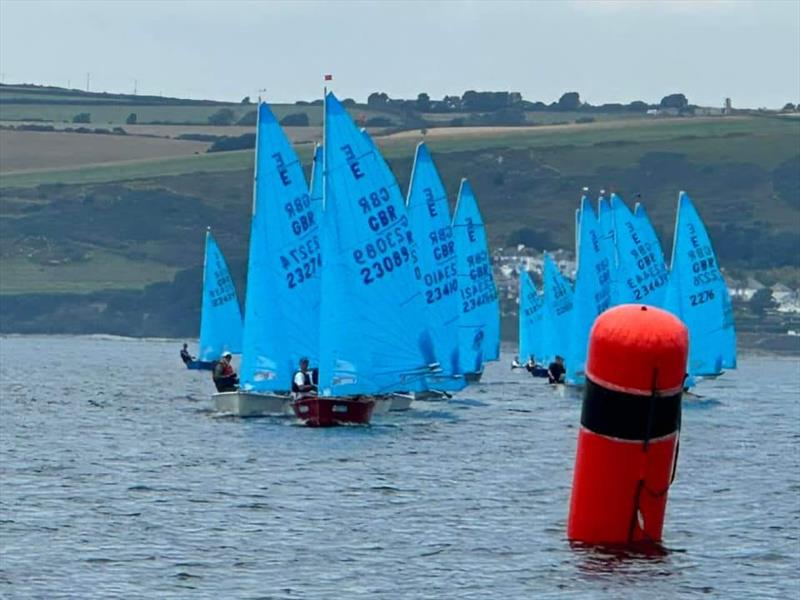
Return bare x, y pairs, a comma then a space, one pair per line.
328, 77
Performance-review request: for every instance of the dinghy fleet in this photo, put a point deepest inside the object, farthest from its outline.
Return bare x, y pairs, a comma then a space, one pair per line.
388, 298
620, 260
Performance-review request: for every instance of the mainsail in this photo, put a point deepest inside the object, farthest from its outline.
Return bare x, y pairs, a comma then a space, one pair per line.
642, 273
698, 294
282, 284
608, 237
592, 289
479, 322
429, 215
558, 302
220, 317
373, 332
531, 319
315, 186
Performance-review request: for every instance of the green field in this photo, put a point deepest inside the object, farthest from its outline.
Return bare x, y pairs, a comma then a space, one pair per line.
101, 270
114, 109
570, 148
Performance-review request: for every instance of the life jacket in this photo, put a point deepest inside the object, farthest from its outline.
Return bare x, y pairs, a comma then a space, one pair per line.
306, 380
227, 369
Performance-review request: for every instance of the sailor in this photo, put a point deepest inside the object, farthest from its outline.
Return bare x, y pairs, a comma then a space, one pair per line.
556, 371
185, 356
303, 381
531, 364
225, 377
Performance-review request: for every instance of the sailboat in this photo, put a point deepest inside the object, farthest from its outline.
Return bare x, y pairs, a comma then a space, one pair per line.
698, 295
592, 289
642, 272
429, 217
220, 316
531, 319
282, 299
479, 321
558, 303
373, 336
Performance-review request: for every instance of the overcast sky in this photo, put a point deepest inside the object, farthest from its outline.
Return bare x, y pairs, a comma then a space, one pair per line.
615, 51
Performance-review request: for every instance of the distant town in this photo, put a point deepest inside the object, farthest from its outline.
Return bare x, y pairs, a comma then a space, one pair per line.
760, 309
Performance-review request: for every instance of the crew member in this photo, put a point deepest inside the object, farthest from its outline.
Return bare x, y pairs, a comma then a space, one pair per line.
536, 370
185, 356
556, 371
225, 377
303, 381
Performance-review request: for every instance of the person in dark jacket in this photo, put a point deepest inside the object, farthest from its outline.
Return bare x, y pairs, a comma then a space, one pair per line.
303, 381
534, 368
556, 371
185, 356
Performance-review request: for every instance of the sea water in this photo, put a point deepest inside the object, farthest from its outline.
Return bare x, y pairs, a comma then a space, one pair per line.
117, 480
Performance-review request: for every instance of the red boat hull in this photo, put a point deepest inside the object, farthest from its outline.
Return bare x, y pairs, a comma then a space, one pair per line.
326, 412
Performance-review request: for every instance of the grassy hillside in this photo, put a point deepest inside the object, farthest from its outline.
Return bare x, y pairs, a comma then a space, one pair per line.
573, 148
118, 247
21, 149
31, 103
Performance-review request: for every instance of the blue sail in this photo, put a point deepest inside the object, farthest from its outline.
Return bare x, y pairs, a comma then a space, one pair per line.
373, 331
220, 316
531, 319
558, 303
282, 303
429, 215
729, 329
315, 186
605, 219
642, 274
479, 322
592, 289
377, 150
651, 241
698, 294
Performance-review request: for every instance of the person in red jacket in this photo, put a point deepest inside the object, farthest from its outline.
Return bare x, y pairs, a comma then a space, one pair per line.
224, 376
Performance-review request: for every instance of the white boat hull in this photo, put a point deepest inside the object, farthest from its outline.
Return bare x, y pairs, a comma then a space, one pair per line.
252, 404
383, 404
401, 401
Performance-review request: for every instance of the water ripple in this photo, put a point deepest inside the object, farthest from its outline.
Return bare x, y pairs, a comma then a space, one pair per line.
123, 489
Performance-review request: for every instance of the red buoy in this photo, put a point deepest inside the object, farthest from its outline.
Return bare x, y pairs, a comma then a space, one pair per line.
628, 439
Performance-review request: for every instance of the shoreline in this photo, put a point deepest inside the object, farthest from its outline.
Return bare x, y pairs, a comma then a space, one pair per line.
749, 343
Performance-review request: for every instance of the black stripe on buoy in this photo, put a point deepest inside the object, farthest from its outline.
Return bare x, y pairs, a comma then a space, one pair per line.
627, 416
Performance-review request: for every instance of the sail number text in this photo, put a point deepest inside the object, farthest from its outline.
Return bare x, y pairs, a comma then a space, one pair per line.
224, 292
442, 280
480, 289
300, 214
387, 252
301, 262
